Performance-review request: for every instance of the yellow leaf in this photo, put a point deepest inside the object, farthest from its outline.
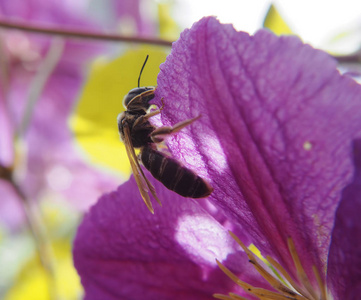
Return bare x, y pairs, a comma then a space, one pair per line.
94, 120
274, 22
168, 27
33, 282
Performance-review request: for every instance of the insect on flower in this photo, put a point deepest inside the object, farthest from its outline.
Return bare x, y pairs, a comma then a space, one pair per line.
137, 132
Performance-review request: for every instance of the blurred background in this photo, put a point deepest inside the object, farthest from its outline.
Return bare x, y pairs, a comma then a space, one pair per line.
60, 96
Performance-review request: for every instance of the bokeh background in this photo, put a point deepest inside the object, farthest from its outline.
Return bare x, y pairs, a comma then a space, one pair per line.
60, 96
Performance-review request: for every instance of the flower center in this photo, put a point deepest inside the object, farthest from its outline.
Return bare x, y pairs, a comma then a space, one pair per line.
285, 287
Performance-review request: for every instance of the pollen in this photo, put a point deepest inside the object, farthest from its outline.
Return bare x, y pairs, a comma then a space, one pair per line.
285, 287
307, 146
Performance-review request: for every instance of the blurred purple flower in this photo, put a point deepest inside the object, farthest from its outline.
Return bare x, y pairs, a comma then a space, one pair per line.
274, 140
50, 72
6, 133
129, 12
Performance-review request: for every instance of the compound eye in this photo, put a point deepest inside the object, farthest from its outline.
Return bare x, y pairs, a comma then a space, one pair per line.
127, 98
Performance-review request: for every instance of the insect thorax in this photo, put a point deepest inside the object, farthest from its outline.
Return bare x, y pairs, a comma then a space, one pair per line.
139, 133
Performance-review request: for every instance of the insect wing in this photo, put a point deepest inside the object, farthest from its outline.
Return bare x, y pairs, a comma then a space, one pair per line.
141, 180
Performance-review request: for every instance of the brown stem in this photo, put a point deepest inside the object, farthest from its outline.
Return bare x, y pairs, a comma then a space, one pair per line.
351, 58
82, 34
39, 234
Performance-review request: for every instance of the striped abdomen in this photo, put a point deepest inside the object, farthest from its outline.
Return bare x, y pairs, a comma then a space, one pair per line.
173, 175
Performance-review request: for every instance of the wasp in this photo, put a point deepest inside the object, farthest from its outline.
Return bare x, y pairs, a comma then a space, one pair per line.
138, 133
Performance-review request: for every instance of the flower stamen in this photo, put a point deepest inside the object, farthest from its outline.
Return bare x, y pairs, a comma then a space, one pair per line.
287, 276
300, 270
320, 283
286, 287
230, 297
274, 282
236, 297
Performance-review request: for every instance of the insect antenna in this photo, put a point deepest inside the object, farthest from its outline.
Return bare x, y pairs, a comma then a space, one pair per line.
141, 70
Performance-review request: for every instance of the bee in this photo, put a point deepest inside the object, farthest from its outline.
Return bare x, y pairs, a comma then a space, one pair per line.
137, 132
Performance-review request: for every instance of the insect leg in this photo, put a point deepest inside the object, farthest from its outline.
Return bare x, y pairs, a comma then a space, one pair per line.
157, 134
155, 112
143, 119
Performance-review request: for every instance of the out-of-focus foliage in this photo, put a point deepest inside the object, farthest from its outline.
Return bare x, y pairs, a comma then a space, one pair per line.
168, 28
94, 120
274, 22
30, 281
52, 176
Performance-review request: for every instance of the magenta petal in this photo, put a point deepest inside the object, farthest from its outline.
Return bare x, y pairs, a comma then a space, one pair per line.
11, 211
6, 136
122, 251
274, 136
344, 264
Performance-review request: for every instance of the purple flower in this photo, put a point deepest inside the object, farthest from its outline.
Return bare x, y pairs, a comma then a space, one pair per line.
50, 163
128, 12
274, 140
6, 132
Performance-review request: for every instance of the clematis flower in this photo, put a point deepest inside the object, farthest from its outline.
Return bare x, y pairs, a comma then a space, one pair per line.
275, 141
